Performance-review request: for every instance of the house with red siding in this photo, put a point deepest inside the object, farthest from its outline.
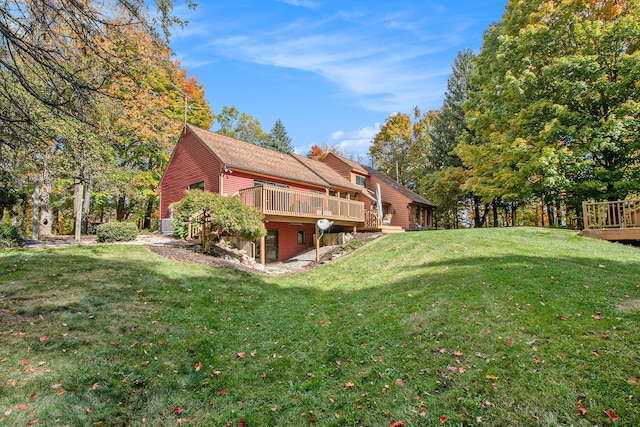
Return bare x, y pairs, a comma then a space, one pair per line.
292, 191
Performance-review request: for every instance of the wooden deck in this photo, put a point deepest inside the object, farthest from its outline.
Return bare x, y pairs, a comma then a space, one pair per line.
284, 205
619, 220
303, 206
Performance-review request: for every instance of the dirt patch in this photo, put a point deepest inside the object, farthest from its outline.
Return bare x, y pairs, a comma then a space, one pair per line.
192, 256
629, 305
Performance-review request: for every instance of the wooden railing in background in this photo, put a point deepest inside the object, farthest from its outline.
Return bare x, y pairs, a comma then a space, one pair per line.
284, 202
607, 215
372, 220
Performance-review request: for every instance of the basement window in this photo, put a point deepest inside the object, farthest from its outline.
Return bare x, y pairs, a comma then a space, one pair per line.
302, 237
197, 186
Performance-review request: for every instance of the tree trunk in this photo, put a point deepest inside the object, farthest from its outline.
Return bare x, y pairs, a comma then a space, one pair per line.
495, 212
78, 188
147, 216
120, 209
45, 202
550, 214
36, 210
85, 206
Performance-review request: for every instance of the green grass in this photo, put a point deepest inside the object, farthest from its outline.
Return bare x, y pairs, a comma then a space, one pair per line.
512, 325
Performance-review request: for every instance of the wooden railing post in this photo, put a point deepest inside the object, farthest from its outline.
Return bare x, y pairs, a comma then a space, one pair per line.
585, 215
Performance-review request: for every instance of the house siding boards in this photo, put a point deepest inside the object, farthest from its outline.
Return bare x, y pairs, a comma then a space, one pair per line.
227, 165
191, 162
288, 245
338, 165
397, 200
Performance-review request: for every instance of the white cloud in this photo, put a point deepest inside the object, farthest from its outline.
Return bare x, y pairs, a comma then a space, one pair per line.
382, 76
309, 4
352, 143
355, 142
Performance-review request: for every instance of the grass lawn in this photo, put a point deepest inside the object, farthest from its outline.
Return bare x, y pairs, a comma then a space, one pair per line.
501, 327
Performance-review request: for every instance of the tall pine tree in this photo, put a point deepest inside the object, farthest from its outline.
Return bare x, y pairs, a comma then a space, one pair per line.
278, 139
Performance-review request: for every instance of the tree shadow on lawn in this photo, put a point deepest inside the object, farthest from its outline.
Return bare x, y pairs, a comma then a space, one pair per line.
132, 335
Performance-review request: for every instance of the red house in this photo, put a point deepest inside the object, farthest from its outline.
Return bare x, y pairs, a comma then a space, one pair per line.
292, 191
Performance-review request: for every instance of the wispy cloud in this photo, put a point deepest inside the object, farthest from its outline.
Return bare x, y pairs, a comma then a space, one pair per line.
382, 60
381, 74
309, 4
356, 142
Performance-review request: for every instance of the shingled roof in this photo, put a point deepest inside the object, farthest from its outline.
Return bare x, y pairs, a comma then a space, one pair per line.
398, 187
328, 174
244, 156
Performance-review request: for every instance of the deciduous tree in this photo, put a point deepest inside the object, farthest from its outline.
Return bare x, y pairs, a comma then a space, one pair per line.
557, 114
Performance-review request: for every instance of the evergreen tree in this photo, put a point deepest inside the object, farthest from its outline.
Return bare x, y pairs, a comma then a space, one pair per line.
451, 124
278, 139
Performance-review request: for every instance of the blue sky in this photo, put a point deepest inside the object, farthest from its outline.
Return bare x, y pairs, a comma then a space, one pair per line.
332, 71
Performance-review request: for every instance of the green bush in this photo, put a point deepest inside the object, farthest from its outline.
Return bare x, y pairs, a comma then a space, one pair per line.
11, 236
229, 216
116, 232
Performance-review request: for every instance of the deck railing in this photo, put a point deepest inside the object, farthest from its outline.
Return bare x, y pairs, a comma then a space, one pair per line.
284, 202
606, 215
372, 220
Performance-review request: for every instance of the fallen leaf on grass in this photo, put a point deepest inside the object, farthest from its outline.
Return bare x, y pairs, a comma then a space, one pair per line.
612, 415
223, 392
198, 366
61, 392
597, 316
241, 355
632, 381
43, 339
492, 377
95, 386
23, 406
253, 353
178, 410
349, 385
397, 424
33, 421
443, 419
581, 408
56, 385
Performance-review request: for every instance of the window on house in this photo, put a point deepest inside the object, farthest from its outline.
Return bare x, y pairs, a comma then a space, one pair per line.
197, 186
257, 182
302, 238
361, 180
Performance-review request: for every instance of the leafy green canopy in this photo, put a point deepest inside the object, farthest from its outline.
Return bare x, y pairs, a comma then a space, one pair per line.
557, 111
228, 215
